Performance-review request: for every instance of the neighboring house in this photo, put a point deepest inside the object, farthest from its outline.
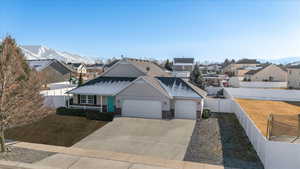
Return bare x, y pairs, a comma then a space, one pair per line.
78, 67
54, 71
269, 72
139, 88
234, 69
94, 70
182, 67
294, 76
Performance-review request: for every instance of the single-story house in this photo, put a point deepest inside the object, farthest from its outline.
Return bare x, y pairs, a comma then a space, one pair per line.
144, 96
139, 88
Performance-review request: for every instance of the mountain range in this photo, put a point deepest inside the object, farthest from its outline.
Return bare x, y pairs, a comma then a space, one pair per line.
42, 52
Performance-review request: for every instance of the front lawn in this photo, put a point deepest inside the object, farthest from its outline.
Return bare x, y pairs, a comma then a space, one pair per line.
55, 130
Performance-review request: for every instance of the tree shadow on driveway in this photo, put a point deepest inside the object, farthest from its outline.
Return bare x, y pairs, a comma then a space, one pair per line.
220, 140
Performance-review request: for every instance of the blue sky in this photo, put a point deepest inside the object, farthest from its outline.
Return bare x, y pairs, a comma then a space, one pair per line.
204, 29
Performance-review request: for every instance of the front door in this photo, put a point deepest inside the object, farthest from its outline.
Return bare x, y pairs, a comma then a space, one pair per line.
111, 104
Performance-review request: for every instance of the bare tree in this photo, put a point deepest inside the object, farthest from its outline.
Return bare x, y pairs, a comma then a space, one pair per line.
20, 99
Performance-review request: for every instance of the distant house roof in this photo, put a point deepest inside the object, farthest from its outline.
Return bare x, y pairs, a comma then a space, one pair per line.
252, 72
41, 64
293, 66
183, 60
148, 67
247, 61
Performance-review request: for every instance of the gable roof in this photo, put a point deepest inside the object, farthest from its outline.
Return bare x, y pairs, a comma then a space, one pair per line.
247, 61
144, 66
153, 82
167, 86
41, 64
148, 67
252, 72
183, 60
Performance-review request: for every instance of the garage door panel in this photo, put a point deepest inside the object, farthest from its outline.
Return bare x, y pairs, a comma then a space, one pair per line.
142, 108
185, 109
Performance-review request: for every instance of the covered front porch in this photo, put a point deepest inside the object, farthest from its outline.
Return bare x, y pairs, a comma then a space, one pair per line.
88, 101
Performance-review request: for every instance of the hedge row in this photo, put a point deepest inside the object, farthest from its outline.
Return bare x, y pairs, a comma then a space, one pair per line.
89, 114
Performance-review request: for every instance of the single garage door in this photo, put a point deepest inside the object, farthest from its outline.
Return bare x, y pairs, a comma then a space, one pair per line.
141, 108
185, 109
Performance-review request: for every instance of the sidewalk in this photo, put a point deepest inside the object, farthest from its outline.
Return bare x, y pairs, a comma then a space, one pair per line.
76, 158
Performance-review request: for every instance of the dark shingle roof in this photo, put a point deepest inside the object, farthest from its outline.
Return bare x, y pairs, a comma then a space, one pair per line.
183, 60
108, 79
169, 81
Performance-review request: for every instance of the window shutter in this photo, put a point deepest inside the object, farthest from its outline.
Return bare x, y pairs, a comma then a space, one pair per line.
78, 99
95, 99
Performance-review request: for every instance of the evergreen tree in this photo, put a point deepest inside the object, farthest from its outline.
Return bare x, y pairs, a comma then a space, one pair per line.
80, 80
196, 77
168, 65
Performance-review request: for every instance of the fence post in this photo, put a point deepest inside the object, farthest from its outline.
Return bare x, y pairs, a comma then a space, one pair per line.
298, 125
269, 126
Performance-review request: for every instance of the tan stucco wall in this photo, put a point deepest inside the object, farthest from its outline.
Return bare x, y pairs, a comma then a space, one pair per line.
141, 90
124, 69
276, 72
294, 78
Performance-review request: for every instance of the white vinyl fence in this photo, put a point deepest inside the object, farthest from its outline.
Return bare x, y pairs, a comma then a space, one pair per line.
274, 155
218, 105
262, 94
263, 84
55, 98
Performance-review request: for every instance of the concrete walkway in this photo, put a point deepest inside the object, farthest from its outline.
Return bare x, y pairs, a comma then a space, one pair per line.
166, 139
76, 158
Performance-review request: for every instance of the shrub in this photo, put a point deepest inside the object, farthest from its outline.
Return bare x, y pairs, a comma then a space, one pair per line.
206, 113
70, 112
88, 113
103, 116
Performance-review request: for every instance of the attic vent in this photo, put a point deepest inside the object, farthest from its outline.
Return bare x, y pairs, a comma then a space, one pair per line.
147, 68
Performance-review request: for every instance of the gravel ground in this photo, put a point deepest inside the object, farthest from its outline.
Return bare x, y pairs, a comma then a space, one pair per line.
221, 140
24, 155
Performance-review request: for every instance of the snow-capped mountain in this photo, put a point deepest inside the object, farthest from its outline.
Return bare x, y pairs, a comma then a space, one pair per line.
284, 60
42, 52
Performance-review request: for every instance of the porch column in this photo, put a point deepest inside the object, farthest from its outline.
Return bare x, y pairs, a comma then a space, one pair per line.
101, 103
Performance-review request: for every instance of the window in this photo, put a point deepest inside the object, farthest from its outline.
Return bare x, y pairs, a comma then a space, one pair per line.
86, 99
90, 99
82, 99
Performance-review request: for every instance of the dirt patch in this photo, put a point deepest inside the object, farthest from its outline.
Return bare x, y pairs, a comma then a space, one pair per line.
24, 155
221, 140
259, 110
55, 130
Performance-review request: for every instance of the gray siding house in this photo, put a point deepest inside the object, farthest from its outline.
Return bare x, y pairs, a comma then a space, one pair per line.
139, 88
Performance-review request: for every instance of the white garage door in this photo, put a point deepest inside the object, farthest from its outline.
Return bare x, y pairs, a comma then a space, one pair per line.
141, 108
185, 109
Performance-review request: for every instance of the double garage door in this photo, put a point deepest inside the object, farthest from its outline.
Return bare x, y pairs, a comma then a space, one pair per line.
142, 108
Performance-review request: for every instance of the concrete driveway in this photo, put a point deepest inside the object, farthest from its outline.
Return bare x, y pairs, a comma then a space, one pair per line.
166, 139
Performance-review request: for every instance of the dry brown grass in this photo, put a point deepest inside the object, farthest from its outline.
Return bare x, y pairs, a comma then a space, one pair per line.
55, 130
259, 110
